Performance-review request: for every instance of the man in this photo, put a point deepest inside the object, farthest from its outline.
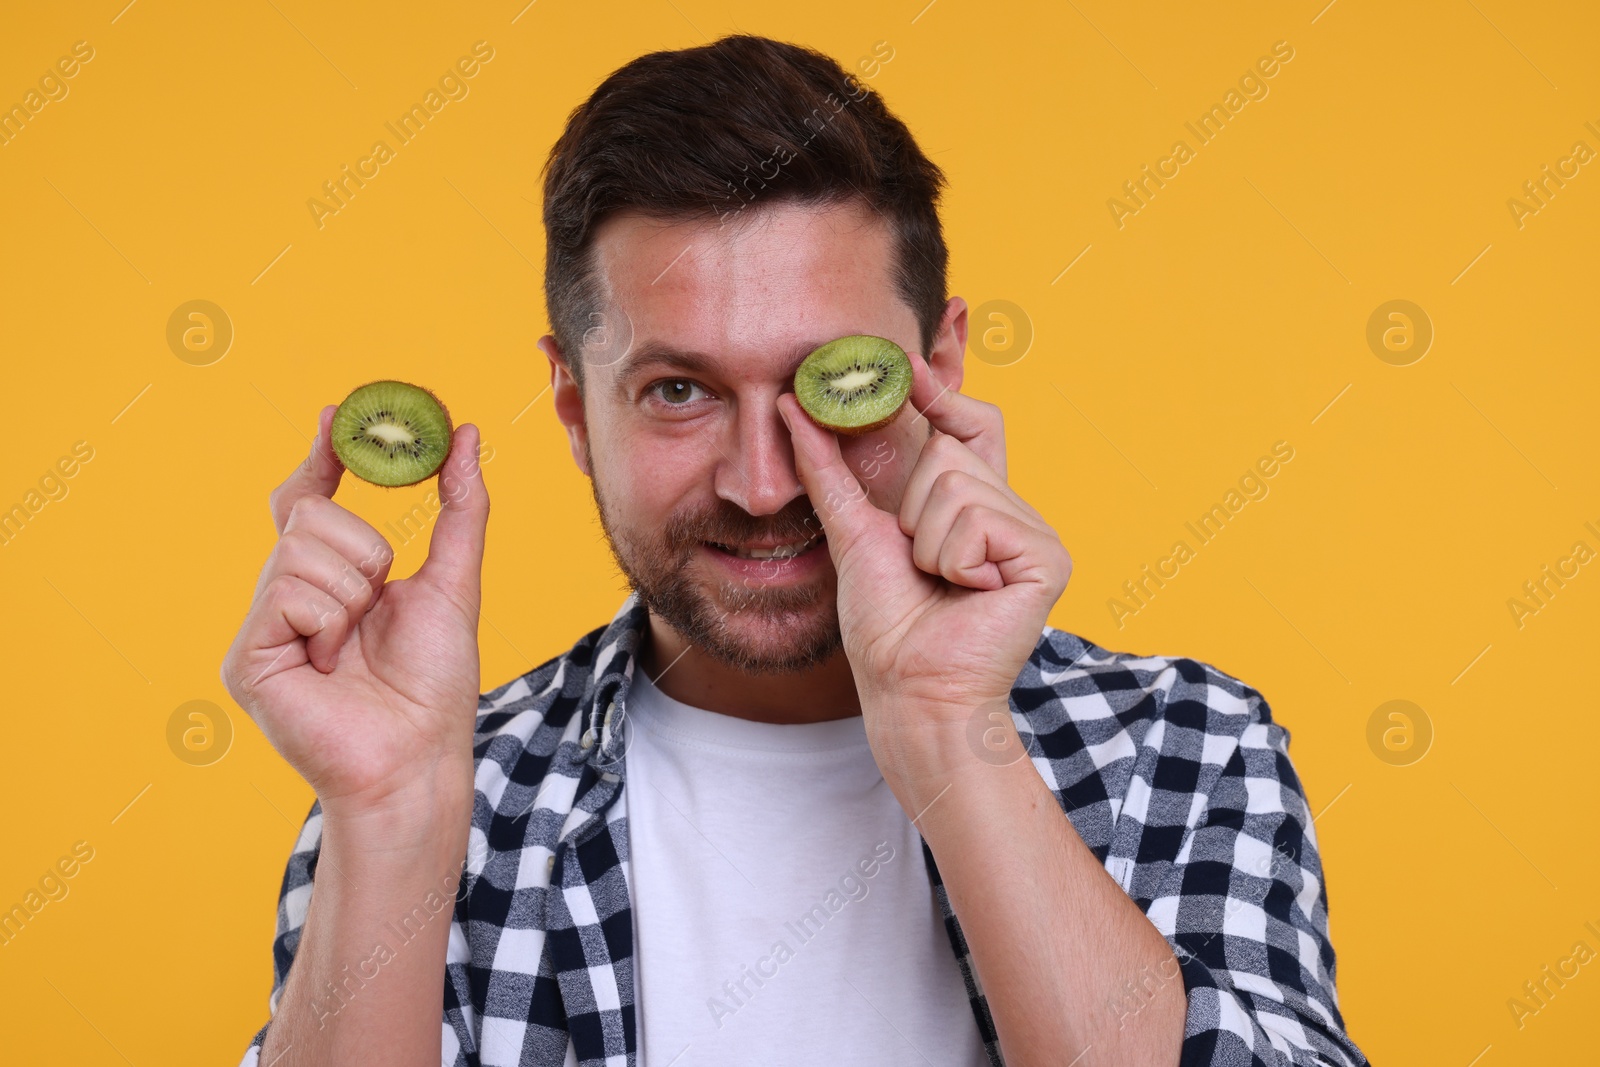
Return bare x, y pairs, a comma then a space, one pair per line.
828, 788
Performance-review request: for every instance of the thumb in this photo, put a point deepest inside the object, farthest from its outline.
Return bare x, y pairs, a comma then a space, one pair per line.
837, 495
318, 476
455, 551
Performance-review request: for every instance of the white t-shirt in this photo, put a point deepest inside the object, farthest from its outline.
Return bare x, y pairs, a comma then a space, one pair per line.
782, 907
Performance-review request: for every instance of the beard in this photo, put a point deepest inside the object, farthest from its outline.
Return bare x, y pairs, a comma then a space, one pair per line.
751, 628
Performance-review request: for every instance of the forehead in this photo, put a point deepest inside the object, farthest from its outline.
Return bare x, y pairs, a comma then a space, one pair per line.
749, 292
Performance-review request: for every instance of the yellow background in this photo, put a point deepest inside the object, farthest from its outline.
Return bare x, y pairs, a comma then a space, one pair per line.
1228, 314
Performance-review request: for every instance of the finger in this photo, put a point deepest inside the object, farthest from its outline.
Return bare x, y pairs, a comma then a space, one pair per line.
304, 556
347, 533
318, 475
455, 550
988, 549
292, 612
837, 496
975, 423
954, 494
944, 453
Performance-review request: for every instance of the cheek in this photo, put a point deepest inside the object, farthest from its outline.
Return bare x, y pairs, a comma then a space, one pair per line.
647, 477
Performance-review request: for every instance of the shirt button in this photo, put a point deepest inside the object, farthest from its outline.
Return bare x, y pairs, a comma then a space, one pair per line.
586, 742
550, 864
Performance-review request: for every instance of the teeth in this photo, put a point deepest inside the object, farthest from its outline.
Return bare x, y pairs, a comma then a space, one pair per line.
776, 552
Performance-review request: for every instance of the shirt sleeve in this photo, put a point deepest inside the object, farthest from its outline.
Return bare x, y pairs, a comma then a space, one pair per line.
1245, 908
294, 898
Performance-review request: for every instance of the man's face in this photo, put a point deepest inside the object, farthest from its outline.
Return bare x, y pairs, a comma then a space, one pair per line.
679, 430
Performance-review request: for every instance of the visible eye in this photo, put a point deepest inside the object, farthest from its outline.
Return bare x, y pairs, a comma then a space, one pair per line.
675, 392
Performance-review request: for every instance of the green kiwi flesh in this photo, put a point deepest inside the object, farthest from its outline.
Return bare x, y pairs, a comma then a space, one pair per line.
391, 433
854, 384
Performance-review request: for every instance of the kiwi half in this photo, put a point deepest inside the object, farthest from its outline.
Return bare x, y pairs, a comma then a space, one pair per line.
391, 433
854, 384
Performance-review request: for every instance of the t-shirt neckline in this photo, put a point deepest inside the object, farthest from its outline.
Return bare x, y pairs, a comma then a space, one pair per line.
651, 708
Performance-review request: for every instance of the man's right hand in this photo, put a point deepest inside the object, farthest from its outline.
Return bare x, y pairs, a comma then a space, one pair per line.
369, 688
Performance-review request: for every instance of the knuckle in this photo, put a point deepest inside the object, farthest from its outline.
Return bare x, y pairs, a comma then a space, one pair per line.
303, 510
294, 554
377, 559
351, 585
942, 445
281, 588
292, 544
331, 613
949, 480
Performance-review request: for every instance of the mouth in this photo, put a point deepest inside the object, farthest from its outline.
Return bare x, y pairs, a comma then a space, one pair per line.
785, 550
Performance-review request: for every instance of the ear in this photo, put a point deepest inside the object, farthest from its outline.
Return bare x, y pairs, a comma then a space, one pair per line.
568, 402
947, 359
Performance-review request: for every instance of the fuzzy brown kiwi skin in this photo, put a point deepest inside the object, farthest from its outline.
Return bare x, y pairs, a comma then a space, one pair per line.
450, 432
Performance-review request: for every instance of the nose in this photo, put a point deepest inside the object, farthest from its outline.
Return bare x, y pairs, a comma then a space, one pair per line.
757, 469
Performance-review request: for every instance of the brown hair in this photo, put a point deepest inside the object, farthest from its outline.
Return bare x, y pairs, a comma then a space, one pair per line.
696, 132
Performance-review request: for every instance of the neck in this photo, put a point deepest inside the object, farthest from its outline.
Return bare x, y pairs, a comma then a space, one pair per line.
685, 673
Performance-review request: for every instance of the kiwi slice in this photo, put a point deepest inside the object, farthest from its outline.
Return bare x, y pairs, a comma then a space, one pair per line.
854, 384
391, 433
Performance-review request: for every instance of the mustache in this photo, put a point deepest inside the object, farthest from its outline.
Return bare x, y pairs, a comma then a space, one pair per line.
728, 523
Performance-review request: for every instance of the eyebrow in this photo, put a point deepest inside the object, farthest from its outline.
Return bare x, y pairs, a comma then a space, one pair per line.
661, 354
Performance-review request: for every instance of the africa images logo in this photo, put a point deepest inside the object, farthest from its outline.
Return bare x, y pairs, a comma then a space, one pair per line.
1252, 85
452, 86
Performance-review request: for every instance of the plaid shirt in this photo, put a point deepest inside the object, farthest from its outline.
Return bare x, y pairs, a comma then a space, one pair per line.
1172, 772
